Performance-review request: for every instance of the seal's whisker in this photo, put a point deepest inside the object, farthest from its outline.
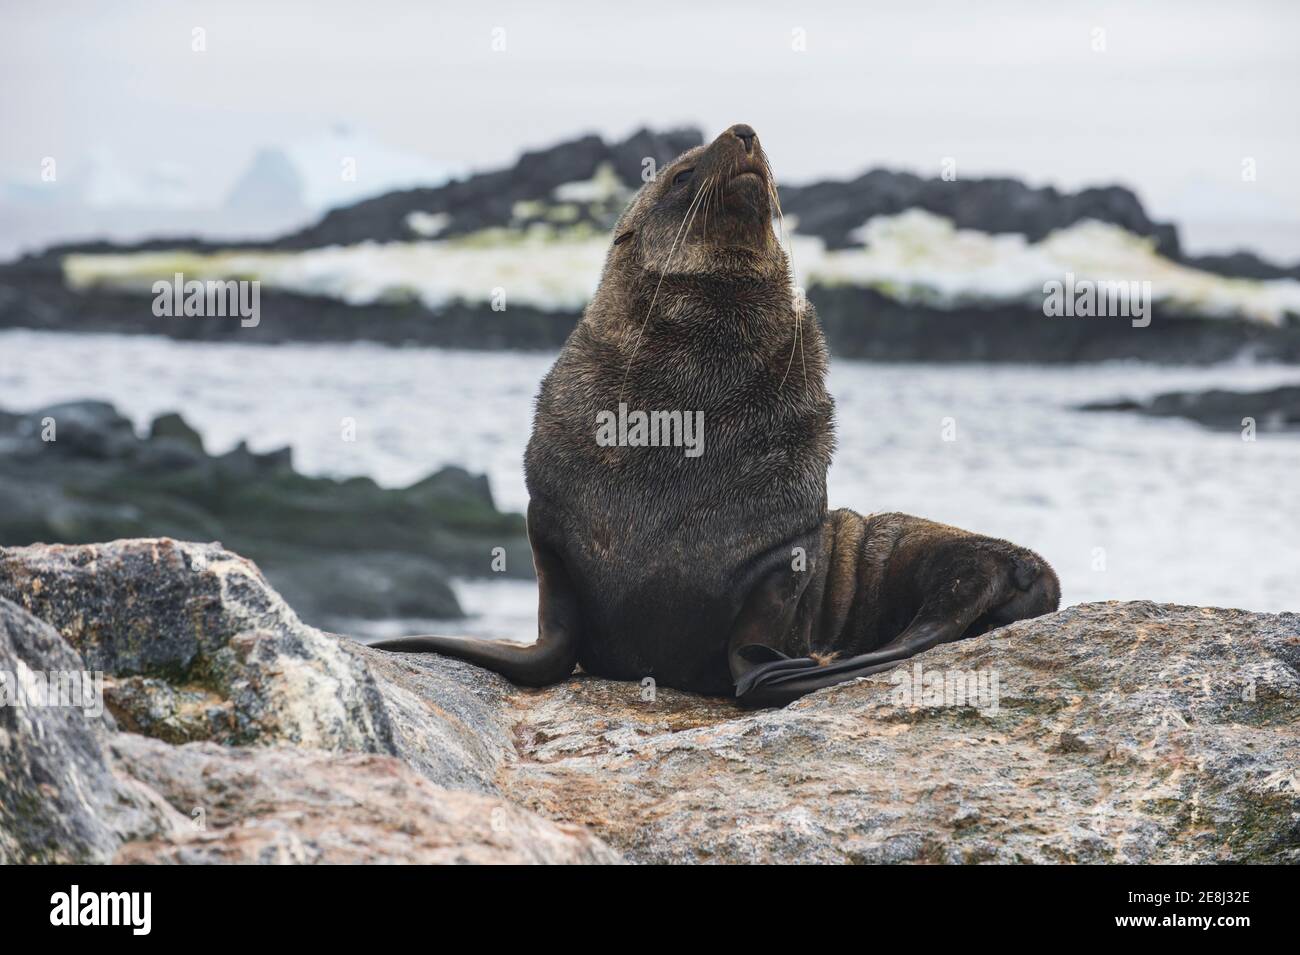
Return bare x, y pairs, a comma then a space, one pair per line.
789, 254
708, 202
684, 227
711, 201
715, 195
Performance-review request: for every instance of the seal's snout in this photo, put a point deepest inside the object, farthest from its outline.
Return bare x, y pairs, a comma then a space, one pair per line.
722, 195
736, 156
739, 142
745, 133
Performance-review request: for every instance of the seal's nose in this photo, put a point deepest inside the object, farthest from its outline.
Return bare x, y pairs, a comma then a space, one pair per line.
745, 133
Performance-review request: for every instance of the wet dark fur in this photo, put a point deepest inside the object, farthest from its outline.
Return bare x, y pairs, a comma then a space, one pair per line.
687, 570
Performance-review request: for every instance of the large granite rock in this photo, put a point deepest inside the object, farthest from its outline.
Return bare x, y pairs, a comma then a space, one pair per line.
1113, 732
290, 805
1123, 732
195, 646
60, 798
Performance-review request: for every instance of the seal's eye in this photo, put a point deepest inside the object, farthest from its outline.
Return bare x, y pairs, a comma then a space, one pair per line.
683, 176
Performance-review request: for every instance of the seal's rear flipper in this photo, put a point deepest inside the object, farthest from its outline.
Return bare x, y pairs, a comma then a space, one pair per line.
966, 584
772, 680
765, 676
778, 688
549, 660
779, 679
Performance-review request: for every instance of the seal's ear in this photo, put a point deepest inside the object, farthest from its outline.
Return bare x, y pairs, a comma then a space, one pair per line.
624, 237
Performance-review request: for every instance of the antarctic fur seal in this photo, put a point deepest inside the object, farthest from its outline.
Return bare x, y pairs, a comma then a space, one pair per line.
722, 573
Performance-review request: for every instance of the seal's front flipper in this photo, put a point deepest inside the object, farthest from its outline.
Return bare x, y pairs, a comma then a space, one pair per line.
549, 660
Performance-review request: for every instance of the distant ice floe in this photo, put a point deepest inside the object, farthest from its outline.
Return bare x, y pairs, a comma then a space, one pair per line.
604, 186
427, 224
919, 257
915, 257
533, 269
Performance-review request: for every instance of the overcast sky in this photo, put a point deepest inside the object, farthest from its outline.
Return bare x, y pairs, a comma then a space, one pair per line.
1181, 94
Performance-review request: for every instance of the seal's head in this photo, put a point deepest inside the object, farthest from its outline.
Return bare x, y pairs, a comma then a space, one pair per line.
696, 301
709, 211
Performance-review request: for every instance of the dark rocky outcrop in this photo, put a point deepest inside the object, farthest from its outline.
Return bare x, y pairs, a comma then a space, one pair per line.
833, 209
1112, 732
488, 199
866, 323
43, 302
829, 209
339, 550
481, 201
1241, 265
1275, 409
863, 323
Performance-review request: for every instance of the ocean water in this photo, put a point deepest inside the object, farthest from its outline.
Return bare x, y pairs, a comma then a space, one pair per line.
1124, 507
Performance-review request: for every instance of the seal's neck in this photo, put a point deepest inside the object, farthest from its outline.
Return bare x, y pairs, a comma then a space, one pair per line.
731, 312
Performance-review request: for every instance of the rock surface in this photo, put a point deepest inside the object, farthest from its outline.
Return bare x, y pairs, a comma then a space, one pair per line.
196, 645
60, 798
289, 805
1114, 732
198, 651
1122, 733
